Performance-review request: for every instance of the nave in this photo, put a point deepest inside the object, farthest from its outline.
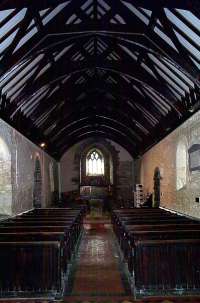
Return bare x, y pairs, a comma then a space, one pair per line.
97, 256
99, 113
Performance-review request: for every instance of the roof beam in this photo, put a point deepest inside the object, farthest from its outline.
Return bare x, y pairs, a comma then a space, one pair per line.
92, 101
128, 67
150, 4
54, 25
93, 134
95, 122
70, 117
154, 4
42, 4
107, 132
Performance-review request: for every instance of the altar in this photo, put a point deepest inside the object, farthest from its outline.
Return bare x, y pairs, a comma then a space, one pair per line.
93, 192
96, 208
96, 196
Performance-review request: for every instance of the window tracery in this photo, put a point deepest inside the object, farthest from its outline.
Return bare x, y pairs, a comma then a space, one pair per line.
94, 163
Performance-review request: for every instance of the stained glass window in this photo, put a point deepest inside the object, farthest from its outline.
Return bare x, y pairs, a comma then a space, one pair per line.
94, 163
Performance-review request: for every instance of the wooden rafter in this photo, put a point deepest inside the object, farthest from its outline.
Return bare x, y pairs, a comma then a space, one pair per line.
98, 69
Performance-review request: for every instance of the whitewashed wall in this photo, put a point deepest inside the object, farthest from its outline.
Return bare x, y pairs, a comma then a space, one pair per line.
18, 197
180, 185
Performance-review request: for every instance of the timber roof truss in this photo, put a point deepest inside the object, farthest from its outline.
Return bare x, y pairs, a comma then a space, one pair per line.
121, 69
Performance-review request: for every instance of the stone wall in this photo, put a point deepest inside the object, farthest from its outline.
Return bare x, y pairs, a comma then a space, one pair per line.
17, 161
178, 158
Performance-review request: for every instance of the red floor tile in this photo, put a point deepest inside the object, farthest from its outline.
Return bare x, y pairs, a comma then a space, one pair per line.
97, 268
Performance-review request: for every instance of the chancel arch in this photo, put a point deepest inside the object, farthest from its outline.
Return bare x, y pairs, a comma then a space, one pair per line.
97, 161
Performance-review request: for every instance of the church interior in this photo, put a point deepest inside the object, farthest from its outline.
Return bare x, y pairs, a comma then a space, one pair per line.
99, 151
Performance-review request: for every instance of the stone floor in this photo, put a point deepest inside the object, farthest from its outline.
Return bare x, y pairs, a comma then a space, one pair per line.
98, 271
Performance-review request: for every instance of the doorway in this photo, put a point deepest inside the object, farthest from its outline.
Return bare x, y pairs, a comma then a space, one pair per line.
37, 187
156, 178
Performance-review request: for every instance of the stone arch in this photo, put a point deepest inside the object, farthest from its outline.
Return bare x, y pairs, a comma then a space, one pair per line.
157, 178
37, 186
111, 157
51, 177
5, 179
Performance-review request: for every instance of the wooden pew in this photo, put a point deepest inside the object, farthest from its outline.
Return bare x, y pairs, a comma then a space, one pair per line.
64, 231
71, 228
144, 235
82, 210
117, 215
31, 268
123, 222
149, 240
70, 222
129, 231
164, 267
35, 250
78, 217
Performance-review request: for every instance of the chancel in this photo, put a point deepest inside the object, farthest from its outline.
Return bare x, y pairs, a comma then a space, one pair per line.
99, 151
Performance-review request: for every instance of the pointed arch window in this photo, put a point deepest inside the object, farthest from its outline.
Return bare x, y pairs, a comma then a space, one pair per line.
94, 163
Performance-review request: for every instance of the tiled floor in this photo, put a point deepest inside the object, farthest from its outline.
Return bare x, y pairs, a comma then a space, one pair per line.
98, 272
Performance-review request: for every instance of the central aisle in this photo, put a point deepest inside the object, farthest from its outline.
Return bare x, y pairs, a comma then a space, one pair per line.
97, 272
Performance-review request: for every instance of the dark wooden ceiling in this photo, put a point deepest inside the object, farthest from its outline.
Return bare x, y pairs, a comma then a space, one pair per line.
125, 70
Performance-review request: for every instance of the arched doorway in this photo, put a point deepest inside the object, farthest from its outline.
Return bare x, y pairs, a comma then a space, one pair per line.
156, 178
181, 165
51, 178
53, 193
37, 187
5, 180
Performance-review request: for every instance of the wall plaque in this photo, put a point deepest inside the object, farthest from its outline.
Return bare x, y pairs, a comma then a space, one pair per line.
194, 157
